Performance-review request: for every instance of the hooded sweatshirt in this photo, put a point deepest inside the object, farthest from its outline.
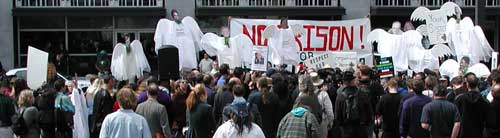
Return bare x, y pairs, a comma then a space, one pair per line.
299, 123
473, 109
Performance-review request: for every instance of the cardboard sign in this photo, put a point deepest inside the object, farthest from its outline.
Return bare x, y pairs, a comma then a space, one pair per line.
436, 26
259, 58
319, 38
494, 60
37, 67
384, 66
344, 60
318, 62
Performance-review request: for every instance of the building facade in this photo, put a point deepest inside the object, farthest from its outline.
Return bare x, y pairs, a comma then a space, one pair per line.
79, 29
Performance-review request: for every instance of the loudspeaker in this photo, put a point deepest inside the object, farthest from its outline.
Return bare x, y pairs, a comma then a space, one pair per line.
168, 63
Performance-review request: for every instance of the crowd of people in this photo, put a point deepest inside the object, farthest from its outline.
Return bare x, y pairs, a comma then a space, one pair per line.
221, 102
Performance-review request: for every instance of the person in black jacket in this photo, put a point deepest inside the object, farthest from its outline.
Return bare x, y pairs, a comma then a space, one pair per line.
492, 128
387, 110
199, 114
103, 105
223, 97
268, 105
473, 109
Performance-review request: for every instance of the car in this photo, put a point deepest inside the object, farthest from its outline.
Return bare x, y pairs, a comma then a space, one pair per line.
21, 73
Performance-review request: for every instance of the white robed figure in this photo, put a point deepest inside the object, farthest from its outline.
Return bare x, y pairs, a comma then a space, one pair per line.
80, 118
284, 48
234, 51
128, 61
184, 34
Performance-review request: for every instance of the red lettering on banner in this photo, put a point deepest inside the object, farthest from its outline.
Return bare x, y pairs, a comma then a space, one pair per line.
324, 36
297, 39
361, 36
308, 38
245, 32
348, 38
260, 29
330, 44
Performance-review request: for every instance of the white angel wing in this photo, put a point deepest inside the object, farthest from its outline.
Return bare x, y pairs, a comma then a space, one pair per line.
211, 44
422, 29
140, 58
270, 31
480, 70
449, 68
244, 46
117, 62
441, 50
377, 35
420, 14
194, 29
466, 24
298, 29
451, 9
480, 47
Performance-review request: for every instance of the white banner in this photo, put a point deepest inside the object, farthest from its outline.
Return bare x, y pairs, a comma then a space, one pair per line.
436, 26
320, 61
320, 36
37, 67
344, 60
259, 58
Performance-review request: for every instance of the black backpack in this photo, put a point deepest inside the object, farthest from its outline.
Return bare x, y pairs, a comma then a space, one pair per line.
19, 127
351, 111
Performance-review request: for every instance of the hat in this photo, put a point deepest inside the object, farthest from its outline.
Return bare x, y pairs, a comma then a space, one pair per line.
315, 79
327, 66
240, 109
348, 76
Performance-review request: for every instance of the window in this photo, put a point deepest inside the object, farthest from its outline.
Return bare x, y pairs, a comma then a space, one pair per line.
90, 41
42, 22
51, 42
82, 65
123, 22
96, 22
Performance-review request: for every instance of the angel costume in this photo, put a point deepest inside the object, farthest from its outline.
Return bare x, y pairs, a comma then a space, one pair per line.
80, 118
185, 35
234, 51
284, 48
128, 61
468, 40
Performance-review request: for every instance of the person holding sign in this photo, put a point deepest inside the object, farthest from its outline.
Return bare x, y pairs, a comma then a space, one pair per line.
284, 49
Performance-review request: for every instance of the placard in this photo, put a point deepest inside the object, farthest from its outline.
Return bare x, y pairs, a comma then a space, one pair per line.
436, 26
384, 66
318, 62
344, 60
37, 67
259, 58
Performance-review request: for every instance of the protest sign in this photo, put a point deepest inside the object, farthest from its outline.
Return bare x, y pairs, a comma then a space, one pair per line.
37, 67
259, 57
319, 37
344, 60
436, 26
384, 66
318, 62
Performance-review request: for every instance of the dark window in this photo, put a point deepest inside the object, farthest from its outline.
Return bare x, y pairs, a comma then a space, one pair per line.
96, 22
123, 22
41, 22
82, 65
90, 42
51, 42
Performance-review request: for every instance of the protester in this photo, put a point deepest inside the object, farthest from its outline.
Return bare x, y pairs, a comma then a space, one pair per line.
430, 83
457, 88
306, 88
267, 103
223, 97
353, 111
208, 82
492, 126
472, 109
179, 96
387, 110
29, 114
155, 113
45, 104
124, 123
300, 122
6, 112
224, 71
493, 79
411, 112
103, 105
240, 125
64, 110
163, 97
440, 116
205, 65
91, 92
199, 114
325, 103
370, 85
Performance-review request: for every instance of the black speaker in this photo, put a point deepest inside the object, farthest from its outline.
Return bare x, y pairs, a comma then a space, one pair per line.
168, 63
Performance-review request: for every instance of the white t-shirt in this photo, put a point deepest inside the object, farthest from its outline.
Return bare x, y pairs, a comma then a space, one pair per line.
228, 130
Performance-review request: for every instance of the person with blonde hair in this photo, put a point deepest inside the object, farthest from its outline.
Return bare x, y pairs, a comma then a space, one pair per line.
29, 114
125, 123
199, 114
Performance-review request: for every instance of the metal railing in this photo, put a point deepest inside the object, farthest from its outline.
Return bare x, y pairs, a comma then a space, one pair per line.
87, 3
267, 3
417, 3
493, 3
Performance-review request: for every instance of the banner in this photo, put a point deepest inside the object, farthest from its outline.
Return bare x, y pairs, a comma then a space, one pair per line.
319, 37
384, 66
37, 67
344, 60
318, 62
436, 26
259, 58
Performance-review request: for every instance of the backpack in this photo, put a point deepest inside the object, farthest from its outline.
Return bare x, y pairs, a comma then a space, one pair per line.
19, 127
351, 111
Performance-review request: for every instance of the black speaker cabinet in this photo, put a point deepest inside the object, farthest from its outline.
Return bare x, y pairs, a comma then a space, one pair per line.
168, 63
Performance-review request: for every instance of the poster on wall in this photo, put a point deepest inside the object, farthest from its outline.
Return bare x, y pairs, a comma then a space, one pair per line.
259, 58
319, 38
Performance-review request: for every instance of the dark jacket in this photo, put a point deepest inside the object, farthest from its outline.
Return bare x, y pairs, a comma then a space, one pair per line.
353, 128
201, 122
388, 108
270, 118
221, 100
410, 117
103, 105
492, 128
6, 111
473, 109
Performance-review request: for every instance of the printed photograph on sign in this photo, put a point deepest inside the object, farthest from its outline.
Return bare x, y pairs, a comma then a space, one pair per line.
259, 59
344, 60
259, 55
